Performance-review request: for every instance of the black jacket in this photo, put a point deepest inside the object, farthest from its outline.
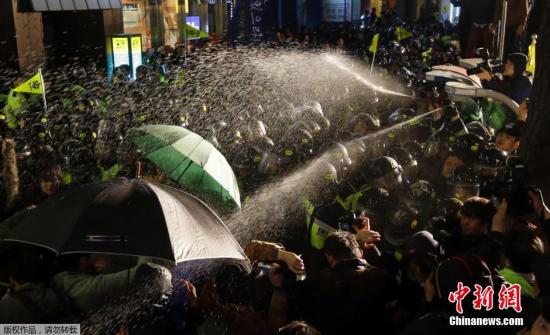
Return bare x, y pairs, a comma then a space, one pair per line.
352, 297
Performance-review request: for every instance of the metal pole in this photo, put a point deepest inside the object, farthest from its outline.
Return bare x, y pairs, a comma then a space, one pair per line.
503, 29
372, 64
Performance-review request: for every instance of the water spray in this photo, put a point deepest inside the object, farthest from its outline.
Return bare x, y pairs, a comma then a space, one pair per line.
273, 208
336, 62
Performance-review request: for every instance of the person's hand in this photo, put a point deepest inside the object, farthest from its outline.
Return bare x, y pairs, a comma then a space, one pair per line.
190, 292
293, 261
365, 236
523, 111
520, 30
492, 28
368, 237
499, 219
484, 75
538, 204
437, 111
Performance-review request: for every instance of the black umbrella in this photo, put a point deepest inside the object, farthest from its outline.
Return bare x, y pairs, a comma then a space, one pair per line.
128, 217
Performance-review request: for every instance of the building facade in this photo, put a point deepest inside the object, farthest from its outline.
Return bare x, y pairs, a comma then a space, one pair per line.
56, 32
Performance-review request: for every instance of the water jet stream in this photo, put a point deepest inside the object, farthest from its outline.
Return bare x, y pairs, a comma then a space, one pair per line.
331, 59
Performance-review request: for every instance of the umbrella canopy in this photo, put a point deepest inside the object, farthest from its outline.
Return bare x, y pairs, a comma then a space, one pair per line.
190, 161
128, 217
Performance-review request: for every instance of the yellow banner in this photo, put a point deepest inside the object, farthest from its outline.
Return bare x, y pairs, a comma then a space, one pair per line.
136, 43
34, 85
193, 32
374, 44
402, 33
532, 56
120, 45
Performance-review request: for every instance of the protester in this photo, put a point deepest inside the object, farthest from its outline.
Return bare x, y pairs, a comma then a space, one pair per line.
86, 289
515, 83
28, 300
397, 212
356, 293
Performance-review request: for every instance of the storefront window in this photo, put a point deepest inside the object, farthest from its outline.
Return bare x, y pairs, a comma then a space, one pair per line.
158, 21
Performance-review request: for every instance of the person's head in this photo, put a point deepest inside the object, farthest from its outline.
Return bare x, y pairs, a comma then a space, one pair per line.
466, 269
406, 160
297, 328
521, 246
154, 281
363, 124
339, 157
421, 253
403, 223
384, 172
476, 216
451, 163
515, 65
508, 138
51, 181
463, 183
340, 246
141, 73
490, 162
374, 202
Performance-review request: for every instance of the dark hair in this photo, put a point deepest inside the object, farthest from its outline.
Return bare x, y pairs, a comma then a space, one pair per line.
460, 154
298, 328
342, 245
468, 269
520, 247
479, 208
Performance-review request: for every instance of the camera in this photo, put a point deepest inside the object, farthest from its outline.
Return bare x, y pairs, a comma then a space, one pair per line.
487, 65
510, 186
346, 223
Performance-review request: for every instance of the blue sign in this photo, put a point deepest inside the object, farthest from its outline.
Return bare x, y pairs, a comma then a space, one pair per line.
194, 21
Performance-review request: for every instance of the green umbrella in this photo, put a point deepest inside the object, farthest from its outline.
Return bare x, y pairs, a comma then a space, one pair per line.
190, 161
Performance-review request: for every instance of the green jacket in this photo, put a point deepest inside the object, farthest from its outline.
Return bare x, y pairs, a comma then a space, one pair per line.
516, 278
88, 291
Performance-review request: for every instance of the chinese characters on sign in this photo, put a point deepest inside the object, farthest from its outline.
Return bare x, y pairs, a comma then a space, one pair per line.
256, 14
509, 296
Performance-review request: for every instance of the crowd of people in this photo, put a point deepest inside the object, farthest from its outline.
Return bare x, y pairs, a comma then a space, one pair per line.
414, 198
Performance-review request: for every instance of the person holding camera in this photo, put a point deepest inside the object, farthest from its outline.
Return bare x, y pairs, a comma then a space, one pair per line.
514, 82
350, 293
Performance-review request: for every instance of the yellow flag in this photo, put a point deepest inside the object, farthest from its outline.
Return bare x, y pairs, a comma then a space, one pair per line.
34, 85
374, 44
402, 33
532, 56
